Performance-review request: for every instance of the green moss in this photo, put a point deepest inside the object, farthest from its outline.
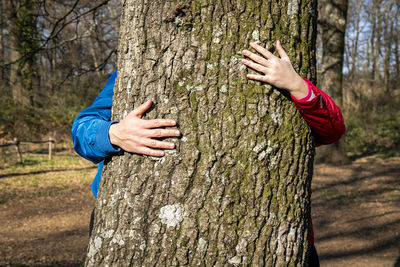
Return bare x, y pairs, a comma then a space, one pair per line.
193, 101
232, 111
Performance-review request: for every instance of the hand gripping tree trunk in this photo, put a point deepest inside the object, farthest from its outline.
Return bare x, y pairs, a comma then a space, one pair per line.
236, 190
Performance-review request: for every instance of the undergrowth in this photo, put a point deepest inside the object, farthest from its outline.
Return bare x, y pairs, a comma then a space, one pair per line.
372, 119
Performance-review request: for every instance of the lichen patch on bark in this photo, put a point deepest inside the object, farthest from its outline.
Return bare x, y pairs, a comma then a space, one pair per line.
293, 8
172, 215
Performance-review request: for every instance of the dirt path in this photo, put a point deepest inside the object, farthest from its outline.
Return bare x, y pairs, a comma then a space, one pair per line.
46, 230
356, 215
44, 212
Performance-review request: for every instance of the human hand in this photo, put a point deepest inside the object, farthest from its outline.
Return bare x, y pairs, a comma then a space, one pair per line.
276, 71
136, 135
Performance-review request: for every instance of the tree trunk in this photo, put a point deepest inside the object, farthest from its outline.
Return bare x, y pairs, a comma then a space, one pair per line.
15, 84
2, 53
24, 43
388, 52
389, 24
397, 54
397, 44
332, 18
236, 190
377, 41
354, 47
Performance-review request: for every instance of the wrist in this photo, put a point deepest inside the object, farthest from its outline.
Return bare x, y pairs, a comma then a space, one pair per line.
299, 88
112, 134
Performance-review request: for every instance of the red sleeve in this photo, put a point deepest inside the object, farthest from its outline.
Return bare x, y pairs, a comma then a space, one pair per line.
323, 116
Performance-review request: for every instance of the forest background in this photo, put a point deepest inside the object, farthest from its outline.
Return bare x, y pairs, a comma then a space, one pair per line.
55, 57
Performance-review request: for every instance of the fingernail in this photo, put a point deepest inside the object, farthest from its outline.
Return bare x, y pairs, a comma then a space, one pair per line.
173, 122
171, 145
177, 133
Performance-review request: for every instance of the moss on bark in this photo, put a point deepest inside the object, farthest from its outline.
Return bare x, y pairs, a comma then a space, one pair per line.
238, 182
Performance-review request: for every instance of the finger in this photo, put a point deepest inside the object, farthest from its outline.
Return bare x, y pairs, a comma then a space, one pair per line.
150, 152
160, 133
281, 52
263, 51
261, 78
157, 123
157, 143
255, 66
256, 58
138, 112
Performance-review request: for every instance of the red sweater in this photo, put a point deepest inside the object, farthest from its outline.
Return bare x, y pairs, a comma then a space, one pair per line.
324, 118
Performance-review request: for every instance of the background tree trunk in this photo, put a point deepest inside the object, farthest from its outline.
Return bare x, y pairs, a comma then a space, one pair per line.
396, 44
354, 47
377, 42
236, 190
17, 90
2, 53
388, 24
25, 42
332, 18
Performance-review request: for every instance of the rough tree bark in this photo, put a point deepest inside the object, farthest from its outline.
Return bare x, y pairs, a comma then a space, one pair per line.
332, 18
236, 190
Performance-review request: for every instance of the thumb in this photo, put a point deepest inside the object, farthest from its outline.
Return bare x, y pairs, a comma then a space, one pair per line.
280, 50
139, 111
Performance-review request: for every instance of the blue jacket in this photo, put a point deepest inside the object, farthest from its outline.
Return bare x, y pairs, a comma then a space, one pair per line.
90, 130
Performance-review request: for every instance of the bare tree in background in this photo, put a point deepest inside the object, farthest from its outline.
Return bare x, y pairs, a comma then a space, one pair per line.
371, 76
25, 42
396, 33
236, 191
388, 24
332, 20
372, 50
354, 17
54, 57
2, 41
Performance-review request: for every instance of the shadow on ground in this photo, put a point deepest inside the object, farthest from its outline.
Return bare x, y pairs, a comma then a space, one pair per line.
44, 171
356, 213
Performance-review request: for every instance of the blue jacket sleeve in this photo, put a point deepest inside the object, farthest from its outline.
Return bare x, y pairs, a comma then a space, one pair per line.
90, 128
